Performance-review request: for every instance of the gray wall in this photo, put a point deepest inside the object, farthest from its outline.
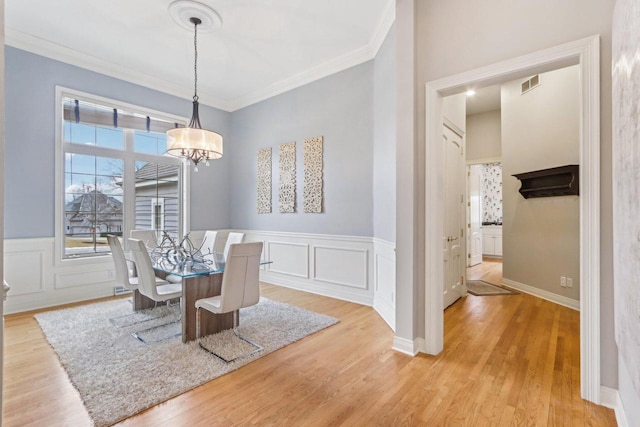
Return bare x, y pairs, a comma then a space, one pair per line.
30, 142
455, 36
540, 130
384, 140
409, 228
484, 137
454, 109
339, 108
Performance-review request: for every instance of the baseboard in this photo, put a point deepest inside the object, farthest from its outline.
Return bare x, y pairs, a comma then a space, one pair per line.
610, 398
406, 346
546, 295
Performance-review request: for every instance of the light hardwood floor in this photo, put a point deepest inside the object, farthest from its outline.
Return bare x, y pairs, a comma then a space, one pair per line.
508, 360
490, 270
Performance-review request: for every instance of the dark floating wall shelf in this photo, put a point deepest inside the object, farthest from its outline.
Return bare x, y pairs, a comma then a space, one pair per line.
560, 181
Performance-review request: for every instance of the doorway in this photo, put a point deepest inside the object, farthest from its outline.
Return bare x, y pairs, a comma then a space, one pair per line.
585, 53
484, 212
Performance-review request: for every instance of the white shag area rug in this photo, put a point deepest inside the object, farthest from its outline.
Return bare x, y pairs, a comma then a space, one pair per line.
118, 376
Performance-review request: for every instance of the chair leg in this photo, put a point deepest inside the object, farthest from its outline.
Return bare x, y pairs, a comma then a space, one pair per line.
115, 319
236, 333
178, 320
198, 324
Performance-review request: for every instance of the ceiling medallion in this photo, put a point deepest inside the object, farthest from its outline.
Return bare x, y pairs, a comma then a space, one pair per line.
183, 10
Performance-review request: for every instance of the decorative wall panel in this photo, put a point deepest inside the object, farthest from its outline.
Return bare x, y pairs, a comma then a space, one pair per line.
64, 280
287, 194
335, 265
312, 195
264, 181
289, 258
23, 272
331, 265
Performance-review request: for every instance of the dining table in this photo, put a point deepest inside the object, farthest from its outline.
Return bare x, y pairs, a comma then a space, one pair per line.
200, 279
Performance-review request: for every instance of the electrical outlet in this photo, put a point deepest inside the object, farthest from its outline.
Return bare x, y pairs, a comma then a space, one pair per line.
569, 282
563, 281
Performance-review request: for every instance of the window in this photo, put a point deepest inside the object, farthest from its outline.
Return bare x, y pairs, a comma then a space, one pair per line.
114, 175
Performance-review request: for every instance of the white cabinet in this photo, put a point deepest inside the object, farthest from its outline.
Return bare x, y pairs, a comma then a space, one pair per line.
492, 240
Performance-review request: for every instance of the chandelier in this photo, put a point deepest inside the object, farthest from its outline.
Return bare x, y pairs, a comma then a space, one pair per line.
193, 143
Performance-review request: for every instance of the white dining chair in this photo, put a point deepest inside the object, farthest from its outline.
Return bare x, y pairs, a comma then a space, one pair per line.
148, 237
123, 273
149, 285
209, 245
240, 288
150, 240
232, 238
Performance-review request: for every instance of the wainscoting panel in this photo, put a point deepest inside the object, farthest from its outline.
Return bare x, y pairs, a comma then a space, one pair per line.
337, 266
75, 279
26, 269
288, 258
384, 300
37, 281
334, 266
351, 268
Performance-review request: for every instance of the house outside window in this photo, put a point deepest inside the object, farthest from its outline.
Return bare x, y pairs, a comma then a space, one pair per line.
112, 174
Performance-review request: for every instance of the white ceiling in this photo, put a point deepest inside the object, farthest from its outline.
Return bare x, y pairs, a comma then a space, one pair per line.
264, 47
486, 99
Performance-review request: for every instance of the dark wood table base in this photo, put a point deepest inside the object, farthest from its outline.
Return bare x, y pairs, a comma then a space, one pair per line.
193, 289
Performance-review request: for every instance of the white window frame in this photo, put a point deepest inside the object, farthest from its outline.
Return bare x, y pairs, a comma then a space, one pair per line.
129, 157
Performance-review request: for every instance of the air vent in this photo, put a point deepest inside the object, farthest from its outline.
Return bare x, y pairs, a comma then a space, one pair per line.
527, 85
120, 290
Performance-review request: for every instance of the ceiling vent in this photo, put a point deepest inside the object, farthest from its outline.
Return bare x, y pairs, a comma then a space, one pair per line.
527, 85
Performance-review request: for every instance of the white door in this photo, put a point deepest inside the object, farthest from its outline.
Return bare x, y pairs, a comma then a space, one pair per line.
454, 216
474, 214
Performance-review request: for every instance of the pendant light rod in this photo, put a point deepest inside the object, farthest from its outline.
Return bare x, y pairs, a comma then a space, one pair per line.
192, 143
195, 114
196, 22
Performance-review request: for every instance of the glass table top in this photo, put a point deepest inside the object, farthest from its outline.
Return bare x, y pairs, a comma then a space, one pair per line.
190, 268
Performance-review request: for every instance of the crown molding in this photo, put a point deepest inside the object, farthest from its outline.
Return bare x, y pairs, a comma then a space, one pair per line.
325, 69
64, 54
335, 65
385, 24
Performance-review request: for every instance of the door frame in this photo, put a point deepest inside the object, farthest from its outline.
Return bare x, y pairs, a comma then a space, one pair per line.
586, 54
